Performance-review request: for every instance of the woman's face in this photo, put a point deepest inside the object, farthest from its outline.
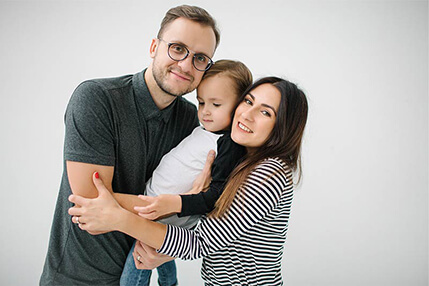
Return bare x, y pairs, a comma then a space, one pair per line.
255, 117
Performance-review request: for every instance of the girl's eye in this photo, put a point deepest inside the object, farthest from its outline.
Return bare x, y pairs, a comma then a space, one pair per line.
247, 101
216, 104
200, 103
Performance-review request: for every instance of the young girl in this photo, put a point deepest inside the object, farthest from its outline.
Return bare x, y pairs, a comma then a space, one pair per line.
241, 241
217, 96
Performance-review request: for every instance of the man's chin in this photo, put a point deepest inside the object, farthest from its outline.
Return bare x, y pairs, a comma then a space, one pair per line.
175, 92
167, 85
172, 92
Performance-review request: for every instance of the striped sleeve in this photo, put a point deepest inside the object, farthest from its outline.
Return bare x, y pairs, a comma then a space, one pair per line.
256, 198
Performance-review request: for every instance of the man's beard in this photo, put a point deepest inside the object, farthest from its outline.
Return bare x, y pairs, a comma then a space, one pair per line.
160, 79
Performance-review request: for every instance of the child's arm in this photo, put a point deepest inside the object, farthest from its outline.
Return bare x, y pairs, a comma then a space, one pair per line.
163, 205
159, 206
202, 181
229, 155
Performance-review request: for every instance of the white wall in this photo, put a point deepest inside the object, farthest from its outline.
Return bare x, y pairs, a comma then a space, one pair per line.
360, 216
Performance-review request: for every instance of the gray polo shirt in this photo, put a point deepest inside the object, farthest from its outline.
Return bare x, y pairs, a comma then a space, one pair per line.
111, 122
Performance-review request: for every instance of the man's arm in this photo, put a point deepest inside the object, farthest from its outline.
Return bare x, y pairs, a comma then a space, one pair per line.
80, 179
90, 138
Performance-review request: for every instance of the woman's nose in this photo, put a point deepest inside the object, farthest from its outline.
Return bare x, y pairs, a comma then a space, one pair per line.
248, 114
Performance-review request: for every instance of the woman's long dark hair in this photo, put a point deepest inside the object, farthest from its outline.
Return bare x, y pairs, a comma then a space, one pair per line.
284, 142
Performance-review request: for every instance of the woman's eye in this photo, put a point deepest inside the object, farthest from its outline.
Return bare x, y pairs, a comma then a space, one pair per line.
266, 113
200, 103
247, 101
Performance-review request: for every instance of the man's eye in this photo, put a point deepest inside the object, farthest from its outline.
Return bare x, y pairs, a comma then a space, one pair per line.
201, 58
178, 49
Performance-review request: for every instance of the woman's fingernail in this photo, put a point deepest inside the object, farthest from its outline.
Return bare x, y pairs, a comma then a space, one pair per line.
96, 175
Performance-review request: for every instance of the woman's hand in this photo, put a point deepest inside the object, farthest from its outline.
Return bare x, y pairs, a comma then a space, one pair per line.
145, 257
98, 215
159, 206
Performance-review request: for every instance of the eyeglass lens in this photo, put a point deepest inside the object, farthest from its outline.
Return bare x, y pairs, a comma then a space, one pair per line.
179, 52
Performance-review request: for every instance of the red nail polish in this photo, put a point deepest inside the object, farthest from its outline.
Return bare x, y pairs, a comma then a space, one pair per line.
96, 175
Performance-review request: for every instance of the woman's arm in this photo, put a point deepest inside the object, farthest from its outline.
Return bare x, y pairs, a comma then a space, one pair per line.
261, 194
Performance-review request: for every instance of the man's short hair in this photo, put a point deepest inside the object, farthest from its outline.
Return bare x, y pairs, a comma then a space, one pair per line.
192, 13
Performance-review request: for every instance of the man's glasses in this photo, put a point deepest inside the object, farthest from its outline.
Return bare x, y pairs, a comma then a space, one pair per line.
179, 52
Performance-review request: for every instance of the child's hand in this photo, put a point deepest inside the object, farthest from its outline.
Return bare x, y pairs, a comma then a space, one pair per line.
202, 181
159, 206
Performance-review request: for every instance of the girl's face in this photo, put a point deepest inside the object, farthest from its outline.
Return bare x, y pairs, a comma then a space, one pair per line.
255, 117
216, 101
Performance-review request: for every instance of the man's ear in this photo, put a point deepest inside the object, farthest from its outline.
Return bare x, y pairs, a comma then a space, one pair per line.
153, 48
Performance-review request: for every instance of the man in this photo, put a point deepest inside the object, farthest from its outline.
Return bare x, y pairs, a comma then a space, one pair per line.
121, 127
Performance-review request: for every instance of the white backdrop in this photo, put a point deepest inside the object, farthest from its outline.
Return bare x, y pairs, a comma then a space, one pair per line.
360, 216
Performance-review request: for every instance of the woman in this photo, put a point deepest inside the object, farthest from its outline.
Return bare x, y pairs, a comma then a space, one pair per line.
242, 240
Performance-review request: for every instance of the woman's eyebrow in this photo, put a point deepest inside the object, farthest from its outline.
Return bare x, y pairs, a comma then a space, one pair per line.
270, 107
263, 104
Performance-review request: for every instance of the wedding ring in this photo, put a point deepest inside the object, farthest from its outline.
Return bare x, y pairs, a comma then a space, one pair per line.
138, 258
77, 220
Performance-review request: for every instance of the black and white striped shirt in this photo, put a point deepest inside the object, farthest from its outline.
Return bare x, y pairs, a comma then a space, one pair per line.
244, 247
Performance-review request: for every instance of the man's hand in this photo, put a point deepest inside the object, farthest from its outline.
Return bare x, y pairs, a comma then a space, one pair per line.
145, 257
159, 206
203, 180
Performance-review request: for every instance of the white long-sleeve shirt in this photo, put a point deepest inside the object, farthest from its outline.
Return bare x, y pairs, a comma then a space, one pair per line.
244, 247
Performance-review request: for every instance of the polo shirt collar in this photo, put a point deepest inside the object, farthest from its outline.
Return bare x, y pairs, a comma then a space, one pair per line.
144, 98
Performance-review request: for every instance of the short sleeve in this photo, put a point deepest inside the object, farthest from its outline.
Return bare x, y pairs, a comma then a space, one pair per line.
89, 135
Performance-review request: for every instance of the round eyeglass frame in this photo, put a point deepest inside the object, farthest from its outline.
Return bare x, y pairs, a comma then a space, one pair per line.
188, 52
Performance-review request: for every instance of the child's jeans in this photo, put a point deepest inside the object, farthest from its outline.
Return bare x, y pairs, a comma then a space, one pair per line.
131, 276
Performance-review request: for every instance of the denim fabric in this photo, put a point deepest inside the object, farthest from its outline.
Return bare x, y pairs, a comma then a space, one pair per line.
131, 276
